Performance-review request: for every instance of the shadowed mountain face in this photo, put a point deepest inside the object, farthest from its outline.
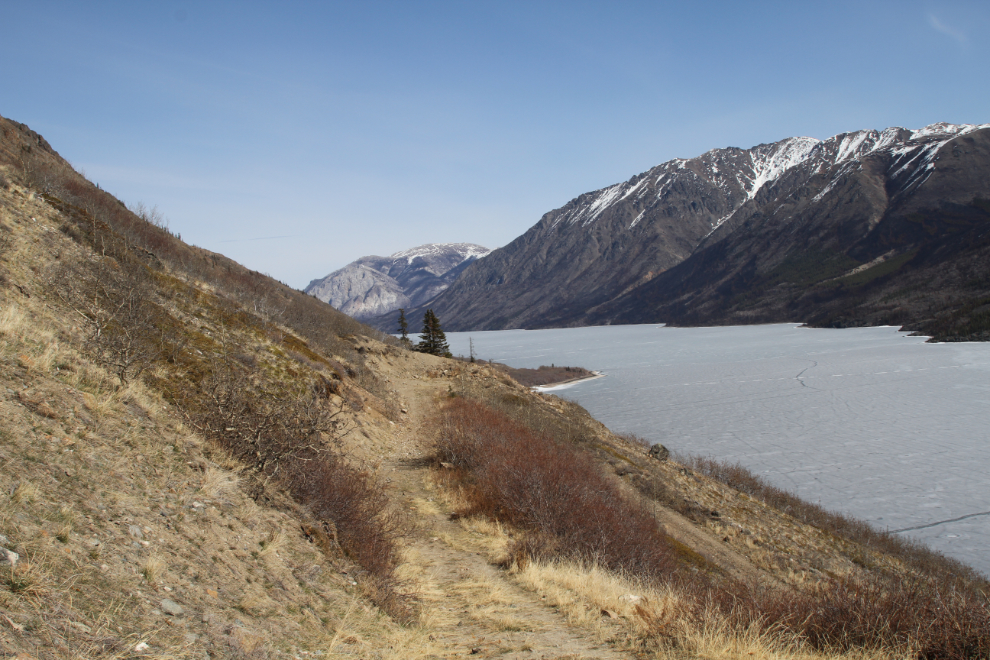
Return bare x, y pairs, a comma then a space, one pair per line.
372, 286
863, 228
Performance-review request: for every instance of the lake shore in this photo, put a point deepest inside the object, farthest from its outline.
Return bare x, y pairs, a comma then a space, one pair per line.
564, 384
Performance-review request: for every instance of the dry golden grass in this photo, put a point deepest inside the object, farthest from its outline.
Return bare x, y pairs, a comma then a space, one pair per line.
153, 569
218, 484
492, 602
25, 493
359, 631
271, 544
656, 619
13, 323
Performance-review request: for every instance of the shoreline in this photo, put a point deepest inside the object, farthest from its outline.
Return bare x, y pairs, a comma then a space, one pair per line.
564, 384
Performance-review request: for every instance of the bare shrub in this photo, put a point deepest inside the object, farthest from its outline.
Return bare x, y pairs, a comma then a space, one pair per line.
287, 436
637, 441
909, 618
355, 510
121, 320
554, 490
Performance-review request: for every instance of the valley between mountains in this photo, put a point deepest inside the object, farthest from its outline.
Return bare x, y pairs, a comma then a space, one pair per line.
870, 227
197, 461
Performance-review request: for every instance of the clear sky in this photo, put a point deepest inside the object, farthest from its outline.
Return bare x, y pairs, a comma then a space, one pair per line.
296, 137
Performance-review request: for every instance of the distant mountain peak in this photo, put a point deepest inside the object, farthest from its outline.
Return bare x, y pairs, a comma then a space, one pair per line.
466, 250
375, 285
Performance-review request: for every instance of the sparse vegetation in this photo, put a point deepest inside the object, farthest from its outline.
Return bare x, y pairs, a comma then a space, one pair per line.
178, 428
925, 561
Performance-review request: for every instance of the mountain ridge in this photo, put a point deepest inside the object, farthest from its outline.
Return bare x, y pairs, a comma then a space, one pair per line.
584, 262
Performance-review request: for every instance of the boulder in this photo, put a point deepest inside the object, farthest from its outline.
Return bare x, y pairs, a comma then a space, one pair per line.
8, 557
171, 608
659, 452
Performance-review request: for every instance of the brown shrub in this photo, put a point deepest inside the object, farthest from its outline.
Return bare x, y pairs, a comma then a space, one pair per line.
554, 490
287, 435
911, 618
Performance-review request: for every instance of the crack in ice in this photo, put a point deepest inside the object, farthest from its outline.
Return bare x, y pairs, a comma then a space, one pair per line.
940, 522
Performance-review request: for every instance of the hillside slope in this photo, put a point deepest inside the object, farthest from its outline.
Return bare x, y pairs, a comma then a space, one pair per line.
198, 461
758, 235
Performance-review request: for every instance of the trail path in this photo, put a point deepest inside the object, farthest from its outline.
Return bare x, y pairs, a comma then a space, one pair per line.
475, 608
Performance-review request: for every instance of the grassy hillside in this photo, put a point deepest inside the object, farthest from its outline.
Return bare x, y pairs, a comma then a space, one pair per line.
198, 461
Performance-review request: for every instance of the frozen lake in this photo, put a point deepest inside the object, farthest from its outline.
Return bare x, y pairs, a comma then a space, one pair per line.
866, 421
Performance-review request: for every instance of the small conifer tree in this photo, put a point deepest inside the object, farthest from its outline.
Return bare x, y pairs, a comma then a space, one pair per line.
433, 340
404, 329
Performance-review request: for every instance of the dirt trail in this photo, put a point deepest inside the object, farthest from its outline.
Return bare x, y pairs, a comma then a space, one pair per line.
474, 607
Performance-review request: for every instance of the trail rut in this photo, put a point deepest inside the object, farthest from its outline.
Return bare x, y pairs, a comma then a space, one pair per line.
475, 608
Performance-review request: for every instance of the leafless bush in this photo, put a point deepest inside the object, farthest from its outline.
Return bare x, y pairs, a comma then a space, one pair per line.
266, 427
288, 435
555, 491
125, 330
636, 440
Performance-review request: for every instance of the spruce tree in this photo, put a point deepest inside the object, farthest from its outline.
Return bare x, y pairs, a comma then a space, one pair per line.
404, 328
433, 340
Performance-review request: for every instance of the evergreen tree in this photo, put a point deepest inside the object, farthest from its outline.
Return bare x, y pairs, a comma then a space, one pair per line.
404, 329
433, 341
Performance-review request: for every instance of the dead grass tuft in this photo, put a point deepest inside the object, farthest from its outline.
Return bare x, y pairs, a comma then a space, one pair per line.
218, 484
25, 493
271, 544
153, 568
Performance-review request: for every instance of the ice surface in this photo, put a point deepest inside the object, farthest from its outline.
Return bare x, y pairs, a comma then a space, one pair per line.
866, 421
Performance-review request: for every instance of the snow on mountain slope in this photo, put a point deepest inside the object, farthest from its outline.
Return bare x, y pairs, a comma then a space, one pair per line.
375, 285
735, 171
608, 242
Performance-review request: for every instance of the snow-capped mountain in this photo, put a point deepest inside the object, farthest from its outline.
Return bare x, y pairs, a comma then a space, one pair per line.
699, 234
372, 285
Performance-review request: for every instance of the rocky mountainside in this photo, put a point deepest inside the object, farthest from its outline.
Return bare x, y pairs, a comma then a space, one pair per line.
372, 285
864, 227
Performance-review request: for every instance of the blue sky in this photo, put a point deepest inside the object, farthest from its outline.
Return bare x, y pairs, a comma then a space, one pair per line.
296, 137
